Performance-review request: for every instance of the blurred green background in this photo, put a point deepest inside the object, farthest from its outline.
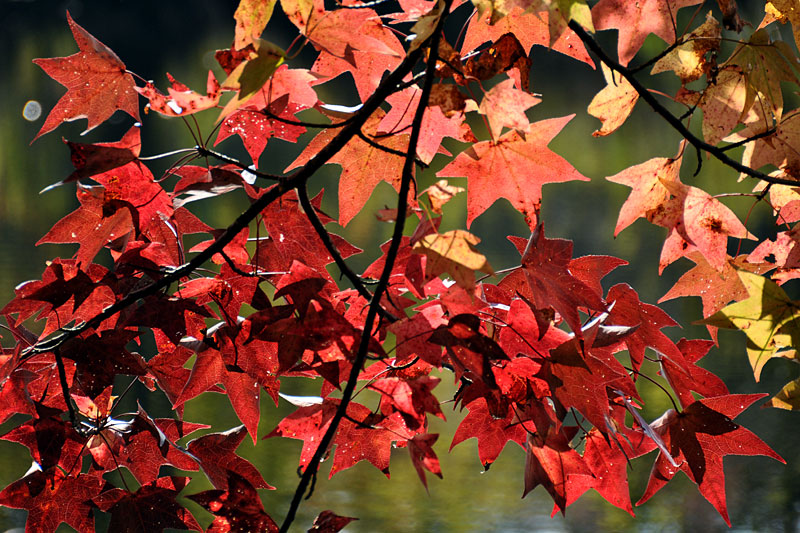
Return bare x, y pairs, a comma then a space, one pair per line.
153, 38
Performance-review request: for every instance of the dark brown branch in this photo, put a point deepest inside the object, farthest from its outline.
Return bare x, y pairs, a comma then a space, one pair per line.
391, 257
311, 213
644, 94
757, 136
316, 125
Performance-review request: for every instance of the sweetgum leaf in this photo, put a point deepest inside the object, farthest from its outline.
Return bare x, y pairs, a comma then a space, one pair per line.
513, 167
181, 100
236, 509
768, 317
153, 507
329, 522
505, 106
552, 463
51, 498
453, 252
216, 453
636, 20
97, 83
423, 457
688, 60
92, 225
530, 29
92, 159
614, 103
545, 263
251, 18
363, 165
699, 438
492, 433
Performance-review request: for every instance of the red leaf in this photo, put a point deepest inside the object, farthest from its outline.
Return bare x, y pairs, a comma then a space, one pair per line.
512, 167
92, 225
435, 126
256, 128
153, 507
546, 265
52, 498
423, 457
582, 380
97, 83
529, 28
636, 20
217, 455
362, 435
691, 377
181, 100
329, 522
237, 509
629, 311
92, 159
698, 438
293, 238
492, 433
363, 165
552, 463
243, 391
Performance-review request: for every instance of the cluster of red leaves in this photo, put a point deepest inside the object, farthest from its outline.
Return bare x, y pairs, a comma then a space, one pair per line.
543, 345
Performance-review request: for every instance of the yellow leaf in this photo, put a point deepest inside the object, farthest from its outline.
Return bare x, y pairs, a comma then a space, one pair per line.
788, 397
453, 252
251, 18
614, 103
765, 65
251, 75
688, 60
440, 193
768, 317
783, 10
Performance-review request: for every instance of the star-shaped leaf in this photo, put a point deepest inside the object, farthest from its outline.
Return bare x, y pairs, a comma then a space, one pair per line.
363, 165
513, 167
636, 20
51, 498
453, 252
614, 103
238, 508
97, 83
698, 438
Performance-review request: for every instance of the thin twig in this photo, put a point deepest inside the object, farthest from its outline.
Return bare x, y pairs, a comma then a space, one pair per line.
230, 160
673, 121
391, 255
311, 213
386, 149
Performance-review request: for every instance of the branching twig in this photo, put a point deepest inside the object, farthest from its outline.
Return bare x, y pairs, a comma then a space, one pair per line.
311, 213
673, 121
391, 256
